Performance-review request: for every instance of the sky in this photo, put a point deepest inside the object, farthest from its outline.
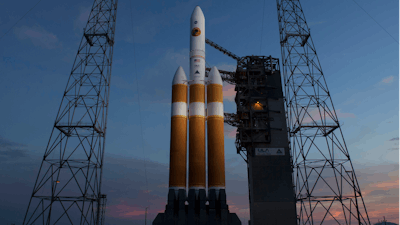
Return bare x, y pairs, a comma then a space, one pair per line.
360, 61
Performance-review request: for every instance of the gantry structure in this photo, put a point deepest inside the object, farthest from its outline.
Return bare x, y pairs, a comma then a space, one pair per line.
324, 183
68, 186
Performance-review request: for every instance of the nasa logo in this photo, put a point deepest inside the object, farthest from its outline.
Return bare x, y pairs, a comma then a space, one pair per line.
195, 22
196, 31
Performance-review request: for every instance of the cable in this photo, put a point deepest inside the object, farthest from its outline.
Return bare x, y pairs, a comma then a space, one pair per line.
376, 22
262, 26
20, 19
140, 111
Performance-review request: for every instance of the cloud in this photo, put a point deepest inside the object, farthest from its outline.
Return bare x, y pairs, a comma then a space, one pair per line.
314, 114
380, 189
229, 92
38, 36
341, 115
125, 210
379, 154
394, 139
82, 18
396, 147
387, 80
240, 206
229, 131
124, 182
10, 150
227, 67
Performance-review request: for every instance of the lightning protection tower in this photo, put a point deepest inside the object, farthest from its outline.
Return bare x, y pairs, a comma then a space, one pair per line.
68, 187
326, 186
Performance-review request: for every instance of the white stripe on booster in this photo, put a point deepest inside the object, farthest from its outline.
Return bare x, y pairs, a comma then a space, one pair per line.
196, 109
215, 109
179, 109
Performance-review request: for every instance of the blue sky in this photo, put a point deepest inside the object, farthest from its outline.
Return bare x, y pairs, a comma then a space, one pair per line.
359, 60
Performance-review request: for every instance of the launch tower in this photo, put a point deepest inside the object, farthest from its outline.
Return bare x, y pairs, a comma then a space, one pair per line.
326, 185
262, 137
68, 187
323, 185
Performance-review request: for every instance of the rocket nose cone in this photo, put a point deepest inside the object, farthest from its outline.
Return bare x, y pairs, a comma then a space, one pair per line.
214, 77
197, 12
180, 76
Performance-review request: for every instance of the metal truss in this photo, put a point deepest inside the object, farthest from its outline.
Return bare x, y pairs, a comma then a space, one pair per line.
326, 186
68, 186
223, 50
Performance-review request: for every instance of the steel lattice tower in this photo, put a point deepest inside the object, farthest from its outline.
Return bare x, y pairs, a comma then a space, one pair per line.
68, 186
326, 186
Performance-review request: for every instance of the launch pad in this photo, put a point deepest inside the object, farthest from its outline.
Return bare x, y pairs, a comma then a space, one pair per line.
197, 211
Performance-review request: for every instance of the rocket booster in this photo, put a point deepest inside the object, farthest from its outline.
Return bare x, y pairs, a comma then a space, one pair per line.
177, 172
215, 132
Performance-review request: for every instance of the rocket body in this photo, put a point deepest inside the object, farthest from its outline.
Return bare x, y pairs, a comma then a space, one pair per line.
215, 132
197, 119
192, 208
177, 172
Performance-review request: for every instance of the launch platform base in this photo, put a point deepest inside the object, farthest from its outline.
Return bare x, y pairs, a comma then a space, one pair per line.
197, 212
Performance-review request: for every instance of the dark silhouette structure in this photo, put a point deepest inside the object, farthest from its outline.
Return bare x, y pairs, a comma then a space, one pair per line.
325, 182
323, 185
68, 187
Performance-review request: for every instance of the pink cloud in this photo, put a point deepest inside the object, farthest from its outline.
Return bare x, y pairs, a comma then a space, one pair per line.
229, 131
240, 206
381, 195
314, 114
124, 210
135, 213
387, 80
387, 185
129, 209
229, 92
344, 115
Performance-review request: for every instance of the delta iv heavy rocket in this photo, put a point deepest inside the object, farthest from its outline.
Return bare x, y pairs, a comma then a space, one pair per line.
192, 209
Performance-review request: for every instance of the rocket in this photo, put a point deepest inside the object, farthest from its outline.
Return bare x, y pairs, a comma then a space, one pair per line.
189, 206
195, 112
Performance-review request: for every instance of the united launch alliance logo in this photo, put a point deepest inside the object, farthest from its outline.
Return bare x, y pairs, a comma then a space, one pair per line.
196, 31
